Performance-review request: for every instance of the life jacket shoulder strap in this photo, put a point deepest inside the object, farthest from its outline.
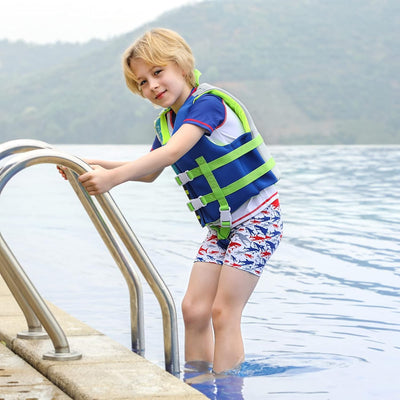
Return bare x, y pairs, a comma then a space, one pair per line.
161, 127
237, 107
161, 124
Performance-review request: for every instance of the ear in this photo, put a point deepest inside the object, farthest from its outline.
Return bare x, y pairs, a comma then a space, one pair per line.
183, 72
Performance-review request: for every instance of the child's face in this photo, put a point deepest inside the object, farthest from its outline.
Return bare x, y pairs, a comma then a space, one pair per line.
164, 86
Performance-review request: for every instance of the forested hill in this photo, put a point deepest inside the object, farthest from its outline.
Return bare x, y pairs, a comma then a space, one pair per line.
310, 71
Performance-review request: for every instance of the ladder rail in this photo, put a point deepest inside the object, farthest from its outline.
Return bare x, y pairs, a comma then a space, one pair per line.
132, 279
21, 146
126, 235
129, 273
37, 304
35, 330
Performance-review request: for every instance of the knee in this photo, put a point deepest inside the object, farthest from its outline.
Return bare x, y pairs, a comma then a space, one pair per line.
219, 316
195, 313
224, 316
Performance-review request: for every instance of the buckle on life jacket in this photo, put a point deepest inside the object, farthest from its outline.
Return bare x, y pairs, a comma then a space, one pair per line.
197, 203
184, 177
225, 224
225, 217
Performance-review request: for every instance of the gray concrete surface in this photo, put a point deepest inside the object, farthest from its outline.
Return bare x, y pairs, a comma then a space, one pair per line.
107, 370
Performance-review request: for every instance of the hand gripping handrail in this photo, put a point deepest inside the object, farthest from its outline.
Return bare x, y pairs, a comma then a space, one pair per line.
126, 235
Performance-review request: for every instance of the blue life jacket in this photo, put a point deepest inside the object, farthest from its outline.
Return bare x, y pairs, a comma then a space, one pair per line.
218, 179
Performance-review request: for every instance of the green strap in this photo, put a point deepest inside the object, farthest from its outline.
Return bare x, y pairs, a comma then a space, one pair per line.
225, 224
234, 186
164, 128
222, 232
227, 158
219, 194
242, 182
216, 189
197, 75
233, 104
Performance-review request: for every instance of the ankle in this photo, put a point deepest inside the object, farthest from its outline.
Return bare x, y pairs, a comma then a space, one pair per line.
229, 370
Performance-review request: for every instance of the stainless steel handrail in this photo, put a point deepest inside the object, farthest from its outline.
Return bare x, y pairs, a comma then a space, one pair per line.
129, 273
37, 304
21, 146
35, 330
171, 348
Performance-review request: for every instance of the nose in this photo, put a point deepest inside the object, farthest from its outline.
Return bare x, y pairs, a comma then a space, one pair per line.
153, 83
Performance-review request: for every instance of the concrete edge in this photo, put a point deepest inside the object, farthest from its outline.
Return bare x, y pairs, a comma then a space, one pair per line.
19, 380
107, 370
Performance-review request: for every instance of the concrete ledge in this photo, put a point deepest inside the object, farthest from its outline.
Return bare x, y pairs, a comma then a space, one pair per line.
107, 370
18, 380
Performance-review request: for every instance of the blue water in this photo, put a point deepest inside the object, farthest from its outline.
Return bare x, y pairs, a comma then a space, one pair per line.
324, 320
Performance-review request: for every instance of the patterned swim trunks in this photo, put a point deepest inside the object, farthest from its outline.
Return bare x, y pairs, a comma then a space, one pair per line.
249, 245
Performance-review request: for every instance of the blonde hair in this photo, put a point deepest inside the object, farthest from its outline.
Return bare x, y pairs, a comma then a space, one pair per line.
158, 47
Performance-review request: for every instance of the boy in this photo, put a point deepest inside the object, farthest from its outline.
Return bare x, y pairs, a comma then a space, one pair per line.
221, 161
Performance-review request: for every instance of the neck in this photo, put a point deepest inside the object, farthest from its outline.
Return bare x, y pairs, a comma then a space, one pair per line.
185, 94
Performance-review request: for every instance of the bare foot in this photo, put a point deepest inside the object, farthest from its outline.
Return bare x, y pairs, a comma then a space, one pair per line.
209, 376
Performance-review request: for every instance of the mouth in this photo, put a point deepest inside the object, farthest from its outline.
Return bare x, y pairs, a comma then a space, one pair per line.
160, 95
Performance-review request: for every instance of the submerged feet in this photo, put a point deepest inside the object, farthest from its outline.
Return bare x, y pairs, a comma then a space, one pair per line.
200, 371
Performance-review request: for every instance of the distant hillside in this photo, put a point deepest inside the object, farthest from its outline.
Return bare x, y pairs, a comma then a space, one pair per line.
310, 71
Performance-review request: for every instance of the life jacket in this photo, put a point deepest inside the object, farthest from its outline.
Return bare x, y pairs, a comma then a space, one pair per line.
218, 179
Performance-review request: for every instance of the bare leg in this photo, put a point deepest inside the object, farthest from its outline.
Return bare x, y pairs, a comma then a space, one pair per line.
234, 289
196, 309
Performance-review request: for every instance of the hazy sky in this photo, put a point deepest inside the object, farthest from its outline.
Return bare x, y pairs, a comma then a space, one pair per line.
47, 21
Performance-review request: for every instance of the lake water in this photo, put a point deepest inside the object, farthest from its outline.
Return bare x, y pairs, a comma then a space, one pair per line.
324, 321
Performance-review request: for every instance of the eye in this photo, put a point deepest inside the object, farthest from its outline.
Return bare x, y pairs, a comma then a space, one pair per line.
143, 82
157, 72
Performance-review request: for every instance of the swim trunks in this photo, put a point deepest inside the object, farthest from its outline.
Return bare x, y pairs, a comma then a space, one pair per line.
249, 245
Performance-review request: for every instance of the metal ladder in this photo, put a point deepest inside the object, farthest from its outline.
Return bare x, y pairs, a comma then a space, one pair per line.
20, 154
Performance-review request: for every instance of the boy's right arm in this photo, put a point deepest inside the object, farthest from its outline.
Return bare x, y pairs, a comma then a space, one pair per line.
106, 164
150, 165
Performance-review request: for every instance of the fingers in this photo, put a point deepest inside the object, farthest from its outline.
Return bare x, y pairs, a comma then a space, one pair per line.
88, 180
92, 190
84, 177
93, 183
61, 170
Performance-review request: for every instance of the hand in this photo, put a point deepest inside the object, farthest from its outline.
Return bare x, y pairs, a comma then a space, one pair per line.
97, 181
61, 170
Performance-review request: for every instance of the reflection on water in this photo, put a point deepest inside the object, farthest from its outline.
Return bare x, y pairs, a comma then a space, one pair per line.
230, 385
324, 320
222, 388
